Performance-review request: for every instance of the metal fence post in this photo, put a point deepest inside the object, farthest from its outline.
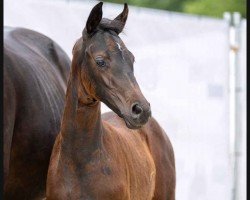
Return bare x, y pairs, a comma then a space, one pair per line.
238, 103
235, 108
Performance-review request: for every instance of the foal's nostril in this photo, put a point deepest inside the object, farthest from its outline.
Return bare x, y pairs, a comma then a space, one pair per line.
136, 109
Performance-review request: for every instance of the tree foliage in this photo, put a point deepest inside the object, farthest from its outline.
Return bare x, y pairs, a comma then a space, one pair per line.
214, 8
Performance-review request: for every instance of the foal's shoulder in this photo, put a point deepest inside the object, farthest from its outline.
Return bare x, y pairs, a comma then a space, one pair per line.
157, 137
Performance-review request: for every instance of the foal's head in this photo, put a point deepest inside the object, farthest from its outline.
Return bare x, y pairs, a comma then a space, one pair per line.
106, 68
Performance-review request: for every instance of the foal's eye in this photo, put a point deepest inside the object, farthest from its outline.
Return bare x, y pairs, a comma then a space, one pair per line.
100, 62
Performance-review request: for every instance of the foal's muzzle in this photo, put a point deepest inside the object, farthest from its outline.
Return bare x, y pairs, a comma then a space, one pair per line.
139, 115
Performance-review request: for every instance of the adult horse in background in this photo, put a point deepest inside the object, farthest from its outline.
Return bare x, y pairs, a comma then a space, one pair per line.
35, 75
124, 155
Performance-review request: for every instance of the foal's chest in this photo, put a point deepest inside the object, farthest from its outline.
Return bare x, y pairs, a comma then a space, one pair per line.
124, 170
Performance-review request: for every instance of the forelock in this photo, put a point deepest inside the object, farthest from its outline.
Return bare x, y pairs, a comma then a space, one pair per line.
111, 25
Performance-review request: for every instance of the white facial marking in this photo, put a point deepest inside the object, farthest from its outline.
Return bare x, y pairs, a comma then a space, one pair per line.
120, 48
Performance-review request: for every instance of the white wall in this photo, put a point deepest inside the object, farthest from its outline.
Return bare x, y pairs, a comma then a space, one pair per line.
182, 68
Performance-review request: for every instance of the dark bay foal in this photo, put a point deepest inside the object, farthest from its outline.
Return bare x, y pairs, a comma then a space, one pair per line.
126, 155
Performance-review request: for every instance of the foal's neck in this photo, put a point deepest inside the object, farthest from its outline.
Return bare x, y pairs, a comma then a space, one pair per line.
81, 127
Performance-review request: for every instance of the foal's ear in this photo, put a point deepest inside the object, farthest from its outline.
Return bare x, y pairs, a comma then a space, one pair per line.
94, 18
122, 18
